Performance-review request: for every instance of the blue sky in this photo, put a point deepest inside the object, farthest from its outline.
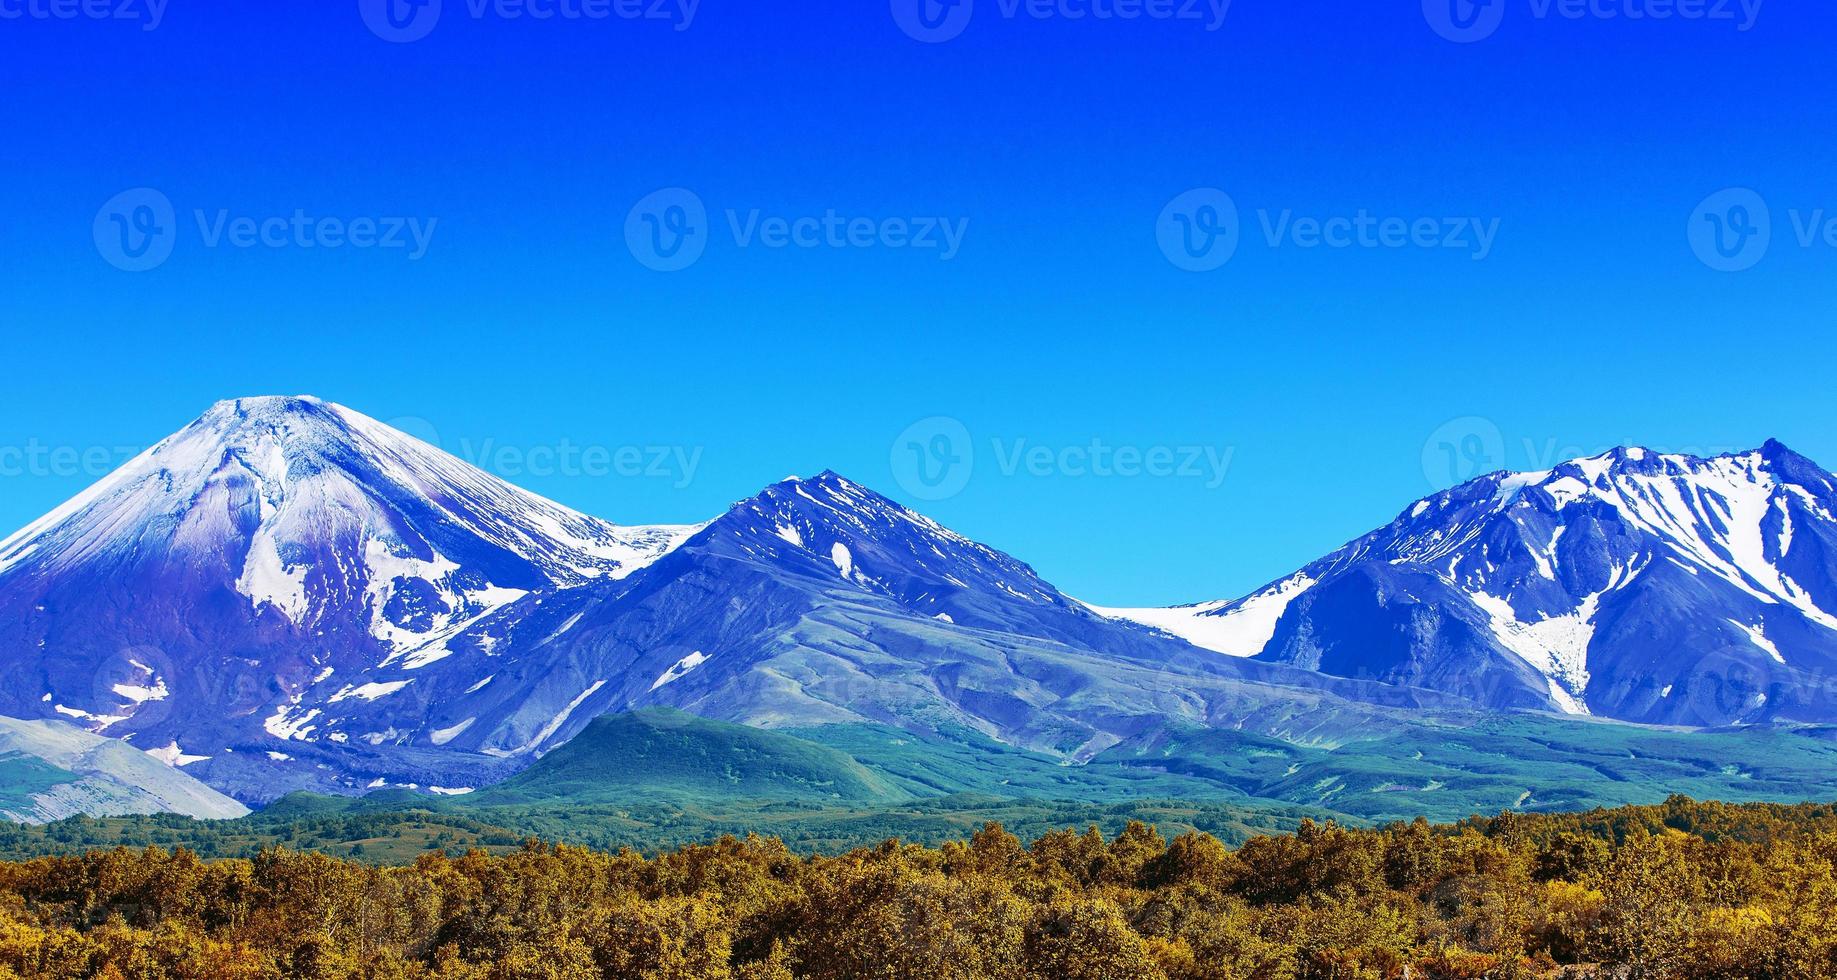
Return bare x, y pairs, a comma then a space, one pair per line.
1274, 405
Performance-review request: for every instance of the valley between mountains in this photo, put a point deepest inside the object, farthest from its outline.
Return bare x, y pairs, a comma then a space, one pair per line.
287, 597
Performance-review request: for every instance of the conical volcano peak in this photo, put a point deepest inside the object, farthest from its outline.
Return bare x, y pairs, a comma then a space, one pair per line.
235, 417
265, 406
296, 517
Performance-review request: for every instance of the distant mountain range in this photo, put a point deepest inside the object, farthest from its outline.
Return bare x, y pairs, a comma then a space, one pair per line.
288, 595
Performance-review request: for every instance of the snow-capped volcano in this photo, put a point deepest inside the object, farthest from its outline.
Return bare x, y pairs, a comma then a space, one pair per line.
293, 473
273, 544
1633, 584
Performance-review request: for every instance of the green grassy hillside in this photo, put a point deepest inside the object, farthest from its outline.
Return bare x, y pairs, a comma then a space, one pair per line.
661, 753
658, 779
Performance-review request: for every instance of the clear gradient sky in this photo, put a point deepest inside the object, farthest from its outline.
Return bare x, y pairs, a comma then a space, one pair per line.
1051, 143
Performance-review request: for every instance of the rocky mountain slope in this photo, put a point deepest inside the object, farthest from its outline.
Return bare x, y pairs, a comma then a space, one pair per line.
1632, 585
50, 770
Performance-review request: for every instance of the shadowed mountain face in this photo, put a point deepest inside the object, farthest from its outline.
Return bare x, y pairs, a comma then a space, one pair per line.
298, 597
1632, 585
821, 602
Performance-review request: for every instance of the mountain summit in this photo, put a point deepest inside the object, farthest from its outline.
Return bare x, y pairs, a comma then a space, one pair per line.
271, 546
1633, 585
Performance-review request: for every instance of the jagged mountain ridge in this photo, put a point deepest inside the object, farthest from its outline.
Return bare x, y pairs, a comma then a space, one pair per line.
1632, 585
820, 602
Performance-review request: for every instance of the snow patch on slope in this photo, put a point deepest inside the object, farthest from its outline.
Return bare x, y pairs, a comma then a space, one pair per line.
1237, 629
175, 757
1759, 638
680, 668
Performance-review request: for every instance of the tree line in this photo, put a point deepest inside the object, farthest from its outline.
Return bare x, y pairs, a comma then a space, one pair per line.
1685, 890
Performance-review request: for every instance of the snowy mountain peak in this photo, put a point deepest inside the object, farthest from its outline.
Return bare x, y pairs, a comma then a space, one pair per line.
833, 527
265, 408
1596, 586
296, 473
292, 527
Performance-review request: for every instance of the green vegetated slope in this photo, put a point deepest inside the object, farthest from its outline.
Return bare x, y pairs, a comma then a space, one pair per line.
667, 754
1522, 762
23, 778
661, 778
